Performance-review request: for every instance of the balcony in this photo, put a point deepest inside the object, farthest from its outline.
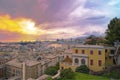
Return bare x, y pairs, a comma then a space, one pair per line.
111, 55
80, 55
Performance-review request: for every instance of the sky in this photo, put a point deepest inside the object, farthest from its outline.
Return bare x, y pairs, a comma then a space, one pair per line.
29, 20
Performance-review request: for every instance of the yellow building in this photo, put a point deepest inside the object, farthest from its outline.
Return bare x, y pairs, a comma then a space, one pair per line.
97, 58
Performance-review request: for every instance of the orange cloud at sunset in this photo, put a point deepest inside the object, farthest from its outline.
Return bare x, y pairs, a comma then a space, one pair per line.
19, 29
25, 29
19, 25
55, 19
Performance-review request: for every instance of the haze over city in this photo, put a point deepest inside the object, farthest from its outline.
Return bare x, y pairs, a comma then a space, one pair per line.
59, 39
22, 20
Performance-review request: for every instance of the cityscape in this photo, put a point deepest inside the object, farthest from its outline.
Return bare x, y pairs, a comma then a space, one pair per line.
59, 40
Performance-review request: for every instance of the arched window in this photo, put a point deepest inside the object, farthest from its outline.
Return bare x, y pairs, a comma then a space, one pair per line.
76, 61
83, 61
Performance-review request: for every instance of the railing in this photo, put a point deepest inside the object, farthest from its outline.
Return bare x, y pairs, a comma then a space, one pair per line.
66, 63
111, 54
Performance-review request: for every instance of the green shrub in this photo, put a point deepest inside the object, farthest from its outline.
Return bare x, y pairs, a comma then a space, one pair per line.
49, 78
106, 74
51, 70
115, 75
57, 65
82, 69
67, 74
112, 74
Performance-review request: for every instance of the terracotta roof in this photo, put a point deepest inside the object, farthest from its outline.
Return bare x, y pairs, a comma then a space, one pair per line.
69, 60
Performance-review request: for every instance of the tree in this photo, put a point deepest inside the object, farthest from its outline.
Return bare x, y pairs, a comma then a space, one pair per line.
82, 69
113, 31
67, 74
57, 66
49, 78
91, 40
91, 36
51, 70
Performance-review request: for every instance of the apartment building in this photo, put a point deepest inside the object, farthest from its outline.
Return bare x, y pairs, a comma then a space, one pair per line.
97, 58
24, 70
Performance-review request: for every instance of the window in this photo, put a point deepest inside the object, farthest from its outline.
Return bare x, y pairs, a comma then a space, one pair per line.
18, 72
83, 61
99, 63
91, 52
83, 51
91, 62
105, 58
76, 51
62, 68
13, 74
13, 70
109, 57
39, 59
99, 53
9, 69
112, 52
106, 50
76, 61
68, 47
67, 56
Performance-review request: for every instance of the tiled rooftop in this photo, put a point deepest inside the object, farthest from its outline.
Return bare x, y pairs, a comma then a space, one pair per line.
92, 46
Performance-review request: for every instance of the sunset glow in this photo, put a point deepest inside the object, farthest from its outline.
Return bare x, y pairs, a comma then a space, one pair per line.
45, 19
28, 27
23, 27
20, 25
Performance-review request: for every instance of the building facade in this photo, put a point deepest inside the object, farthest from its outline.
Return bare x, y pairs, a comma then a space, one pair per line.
97, 58
20, 69
24, 70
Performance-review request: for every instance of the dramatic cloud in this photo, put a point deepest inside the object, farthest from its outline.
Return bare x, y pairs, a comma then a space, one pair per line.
51, 19
20, 25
